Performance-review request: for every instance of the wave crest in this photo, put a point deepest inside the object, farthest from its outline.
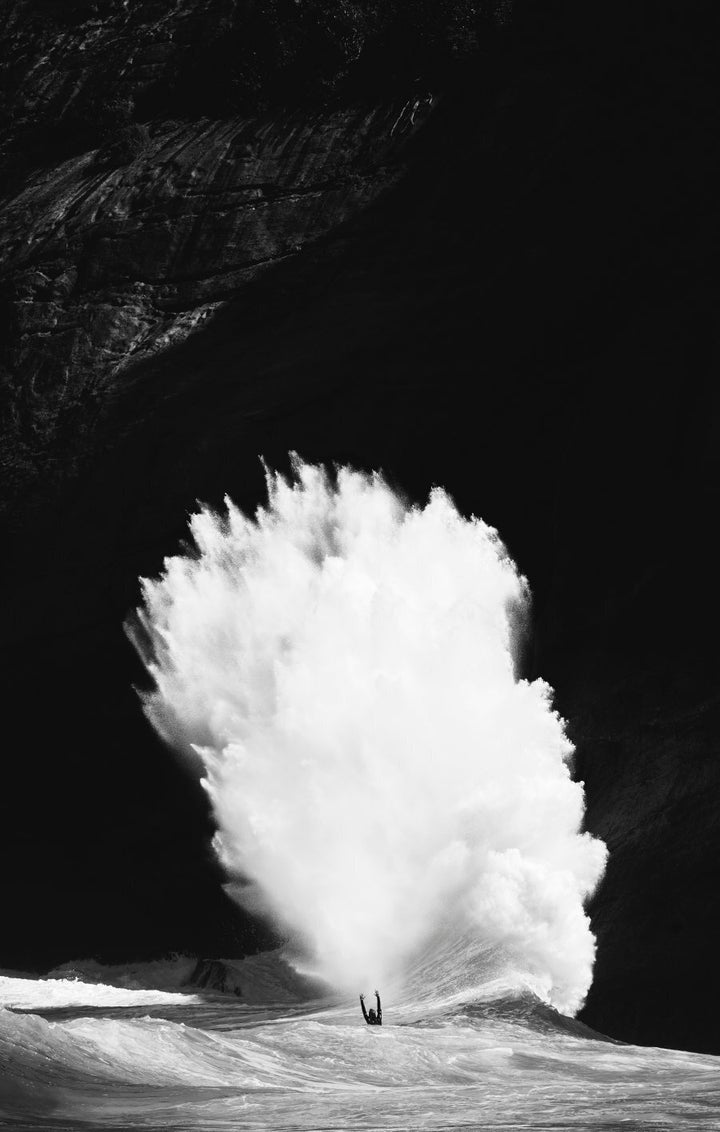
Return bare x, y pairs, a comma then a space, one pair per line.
343, 666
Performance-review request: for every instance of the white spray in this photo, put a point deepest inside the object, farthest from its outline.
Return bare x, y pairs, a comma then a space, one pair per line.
343, 668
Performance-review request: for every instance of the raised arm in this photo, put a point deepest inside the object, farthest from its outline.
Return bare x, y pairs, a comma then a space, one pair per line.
362, 1003
379, 1009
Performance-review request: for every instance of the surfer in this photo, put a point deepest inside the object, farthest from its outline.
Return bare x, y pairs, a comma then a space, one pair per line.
372, 1017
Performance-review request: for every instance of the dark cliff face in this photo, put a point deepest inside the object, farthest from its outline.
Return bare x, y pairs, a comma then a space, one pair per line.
484, 258
157, 158
110, 265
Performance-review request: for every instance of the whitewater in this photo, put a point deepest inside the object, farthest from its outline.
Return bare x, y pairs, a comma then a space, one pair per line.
191, 1059
342, 672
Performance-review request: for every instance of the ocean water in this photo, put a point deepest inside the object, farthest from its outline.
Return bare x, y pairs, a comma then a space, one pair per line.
77, 1054
343, 673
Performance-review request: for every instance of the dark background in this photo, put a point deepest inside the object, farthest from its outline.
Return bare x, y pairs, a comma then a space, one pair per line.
471, 244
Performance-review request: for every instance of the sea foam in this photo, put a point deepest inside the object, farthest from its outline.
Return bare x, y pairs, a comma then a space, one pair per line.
342, 668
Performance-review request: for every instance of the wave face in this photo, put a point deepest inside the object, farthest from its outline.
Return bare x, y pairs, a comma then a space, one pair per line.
343, 668
284, 1060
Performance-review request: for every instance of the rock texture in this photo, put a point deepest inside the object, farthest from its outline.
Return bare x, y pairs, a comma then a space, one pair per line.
213, 974
107, 264
476, 259
257, 979
142, 187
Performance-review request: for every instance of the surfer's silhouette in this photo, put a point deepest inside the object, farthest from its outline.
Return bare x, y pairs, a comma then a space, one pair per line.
372, 1017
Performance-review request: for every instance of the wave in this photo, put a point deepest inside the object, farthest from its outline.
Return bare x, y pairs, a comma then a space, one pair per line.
30, 993
343, 671
501, 1058
264, 979
111, 1049
165, 974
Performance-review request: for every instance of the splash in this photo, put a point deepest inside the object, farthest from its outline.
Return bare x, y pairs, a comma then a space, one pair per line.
343, 667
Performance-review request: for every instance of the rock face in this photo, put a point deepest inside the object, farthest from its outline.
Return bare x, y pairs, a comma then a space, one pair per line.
489, 265
213, 974
256, 979
174, 193
106, 265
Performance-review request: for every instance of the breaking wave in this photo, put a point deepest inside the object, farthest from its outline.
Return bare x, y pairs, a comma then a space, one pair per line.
343, 669
220, 1063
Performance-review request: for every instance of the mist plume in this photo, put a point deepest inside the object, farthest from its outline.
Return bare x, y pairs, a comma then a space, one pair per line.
342, 667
